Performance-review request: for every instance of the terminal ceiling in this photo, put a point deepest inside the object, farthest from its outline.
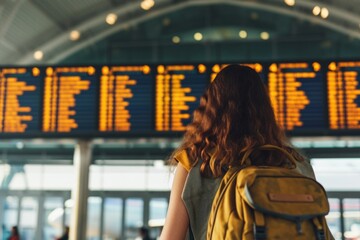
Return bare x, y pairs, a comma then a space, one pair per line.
31, 25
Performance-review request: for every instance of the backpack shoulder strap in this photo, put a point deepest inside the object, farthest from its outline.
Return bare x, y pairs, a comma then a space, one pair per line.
226, 181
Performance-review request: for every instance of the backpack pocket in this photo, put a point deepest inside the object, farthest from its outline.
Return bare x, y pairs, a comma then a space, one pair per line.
287, 207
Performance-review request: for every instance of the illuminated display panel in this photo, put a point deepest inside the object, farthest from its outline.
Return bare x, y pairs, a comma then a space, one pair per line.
20, 100
343, 95
297, 95
178, 91
69, 100
308, 98
215, 69
126, 99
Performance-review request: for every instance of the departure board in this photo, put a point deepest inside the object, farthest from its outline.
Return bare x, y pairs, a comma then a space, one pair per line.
297, 96
309, 98
20, 98
178, 91
125, 98
344, 95
69, 99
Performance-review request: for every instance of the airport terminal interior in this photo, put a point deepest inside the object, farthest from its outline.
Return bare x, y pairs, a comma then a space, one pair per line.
95, 95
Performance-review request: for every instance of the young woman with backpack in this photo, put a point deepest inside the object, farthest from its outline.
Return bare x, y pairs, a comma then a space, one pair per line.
234, 116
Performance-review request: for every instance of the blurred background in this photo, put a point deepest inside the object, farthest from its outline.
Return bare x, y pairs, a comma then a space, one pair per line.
129, 180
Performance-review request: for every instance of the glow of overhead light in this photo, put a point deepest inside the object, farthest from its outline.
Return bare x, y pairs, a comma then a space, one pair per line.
38, 55
243, 34
324, 13
264, 35
198, 36
111, 18
176, 39
19, 145
147, 4
290, 2
316, 10
74, 35
69, 203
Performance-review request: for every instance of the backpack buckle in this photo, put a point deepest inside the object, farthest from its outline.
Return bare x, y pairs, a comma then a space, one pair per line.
259, 232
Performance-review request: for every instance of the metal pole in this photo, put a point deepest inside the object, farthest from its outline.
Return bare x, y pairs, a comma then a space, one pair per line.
80, 191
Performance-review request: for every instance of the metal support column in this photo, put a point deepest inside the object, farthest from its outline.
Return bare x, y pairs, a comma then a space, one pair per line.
80, 191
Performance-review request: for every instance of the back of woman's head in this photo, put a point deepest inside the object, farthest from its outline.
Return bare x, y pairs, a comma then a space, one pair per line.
236, 105
234, 115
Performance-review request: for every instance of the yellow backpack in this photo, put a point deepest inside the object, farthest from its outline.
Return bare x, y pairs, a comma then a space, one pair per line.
268, 203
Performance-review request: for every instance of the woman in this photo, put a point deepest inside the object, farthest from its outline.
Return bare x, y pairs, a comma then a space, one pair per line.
234, 115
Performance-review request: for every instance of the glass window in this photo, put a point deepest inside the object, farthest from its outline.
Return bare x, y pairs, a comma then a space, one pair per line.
352, 218
53, 217
333, 218
68, 211
158, 209
113, 211
10, 208
328, 170
28, 217
93, 218
134, 208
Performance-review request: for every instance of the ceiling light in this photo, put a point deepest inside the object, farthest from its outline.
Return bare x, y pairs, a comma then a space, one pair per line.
243, 34
324, 13
290, 2
74, 35
147, 4
316, 10
264, 35
176, 39
198, 36
38, 55
111, 18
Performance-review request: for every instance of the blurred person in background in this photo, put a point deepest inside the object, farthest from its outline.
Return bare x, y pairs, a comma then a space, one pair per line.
144, 234
14, 233
65, 236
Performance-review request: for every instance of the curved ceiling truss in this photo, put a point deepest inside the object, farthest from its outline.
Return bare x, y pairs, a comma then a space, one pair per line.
163, 7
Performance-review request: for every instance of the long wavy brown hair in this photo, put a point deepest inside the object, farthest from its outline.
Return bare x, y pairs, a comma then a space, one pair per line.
235, 115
